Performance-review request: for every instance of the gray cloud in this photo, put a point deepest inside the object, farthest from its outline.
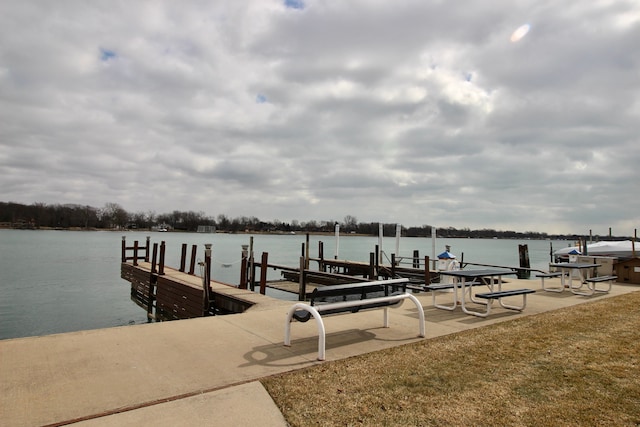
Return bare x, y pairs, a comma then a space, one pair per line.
412, 112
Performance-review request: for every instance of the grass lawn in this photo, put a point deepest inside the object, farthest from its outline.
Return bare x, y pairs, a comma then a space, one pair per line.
579, 366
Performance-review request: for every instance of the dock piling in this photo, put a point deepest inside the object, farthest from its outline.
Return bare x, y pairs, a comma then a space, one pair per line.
302, 292
263, 272
427, 274
192, 265
161, 264
373, 257
523, 253
206, 280
393, 266
243, 267
183, 258
154, 259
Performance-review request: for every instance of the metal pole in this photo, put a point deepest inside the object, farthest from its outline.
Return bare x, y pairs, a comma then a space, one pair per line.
380, 236
433, 245
306, 254
398, 233
337, 240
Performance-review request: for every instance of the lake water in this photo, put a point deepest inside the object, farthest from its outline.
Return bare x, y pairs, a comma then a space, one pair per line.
63, 281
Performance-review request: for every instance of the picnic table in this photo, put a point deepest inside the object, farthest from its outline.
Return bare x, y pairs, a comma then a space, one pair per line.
582, 271
467, 279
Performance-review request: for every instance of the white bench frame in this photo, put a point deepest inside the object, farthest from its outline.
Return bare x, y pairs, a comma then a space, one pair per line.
549, 276
592, 283
317, 309
490, 296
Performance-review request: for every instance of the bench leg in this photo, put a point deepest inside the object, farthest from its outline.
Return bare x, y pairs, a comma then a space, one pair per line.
515, 307
444, 306
592, 289
463, 305
415, 300
488, 303
610, 282
560, 289
321, 329
476, 300
319, 322
577, 288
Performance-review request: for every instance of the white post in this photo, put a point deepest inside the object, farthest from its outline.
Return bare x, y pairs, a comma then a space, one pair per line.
398, 233
380, 236
337, 240
433, 245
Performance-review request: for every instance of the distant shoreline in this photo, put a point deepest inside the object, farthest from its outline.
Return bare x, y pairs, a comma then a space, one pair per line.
264, 233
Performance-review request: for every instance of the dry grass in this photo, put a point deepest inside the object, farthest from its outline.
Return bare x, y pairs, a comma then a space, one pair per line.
578, 366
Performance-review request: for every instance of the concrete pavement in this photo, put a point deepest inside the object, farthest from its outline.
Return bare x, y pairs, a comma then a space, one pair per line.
204, 371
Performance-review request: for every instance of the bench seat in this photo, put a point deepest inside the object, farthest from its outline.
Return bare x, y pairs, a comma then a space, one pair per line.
602, 279
490, 296
502, 294
552, 274
448, 286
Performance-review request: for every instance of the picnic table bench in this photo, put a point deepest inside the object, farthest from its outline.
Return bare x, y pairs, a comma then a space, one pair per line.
592, 282
364, 295
490, 296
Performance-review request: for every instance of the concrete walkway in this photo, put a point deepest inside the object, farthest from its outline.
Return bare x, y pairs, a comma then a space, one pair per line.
205, 371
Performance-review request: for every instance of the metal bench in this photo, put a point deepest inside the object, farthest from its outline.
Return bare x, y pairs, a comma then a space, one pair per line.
490, 296
368, 299
592, 282
550, 275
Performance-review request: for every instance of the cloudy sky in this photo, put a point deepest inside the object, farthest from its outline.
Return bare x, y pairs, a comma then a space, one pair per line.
410, 111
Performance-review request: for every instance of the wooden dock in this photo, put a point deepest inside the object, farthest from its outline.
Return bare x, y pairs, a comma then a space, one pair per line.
178, 293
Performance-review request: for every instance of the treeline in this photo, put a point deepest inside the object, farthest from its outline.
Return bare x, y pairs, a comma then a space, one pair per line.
113, 216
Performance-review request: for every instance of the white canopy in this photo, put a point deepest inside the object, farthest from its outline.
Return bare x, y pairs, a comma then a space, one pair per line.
621, 249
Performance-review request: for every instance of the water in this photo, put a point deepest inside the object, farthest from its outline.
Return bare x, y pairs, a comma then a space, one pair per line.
63, 281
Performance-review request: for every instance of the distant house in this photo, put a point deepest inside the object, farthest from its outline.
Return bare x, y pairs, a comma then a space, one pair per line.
206, 229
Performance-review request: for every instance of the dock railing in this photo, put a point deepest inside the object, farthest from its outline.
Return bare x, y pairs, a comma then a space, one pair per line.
136, 251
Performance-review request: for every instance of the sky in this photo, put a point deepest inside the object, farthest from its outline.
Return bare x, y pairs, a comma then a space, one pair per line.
509, 115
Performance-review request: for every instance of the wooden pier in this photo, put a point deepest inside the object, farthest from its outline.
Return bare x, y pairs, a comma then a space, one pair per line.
178, 293
170, 294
